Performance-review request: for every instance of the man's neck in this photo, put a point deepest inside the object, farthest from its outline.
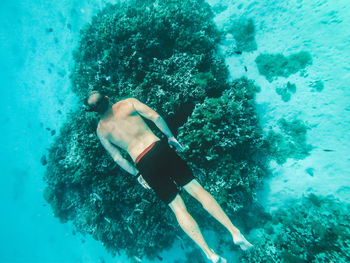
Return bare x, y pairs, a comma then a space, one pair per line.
108, 112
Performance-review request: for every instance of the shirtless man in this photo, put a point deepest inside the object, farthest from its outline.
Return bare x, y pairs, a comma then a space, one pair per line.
158, 166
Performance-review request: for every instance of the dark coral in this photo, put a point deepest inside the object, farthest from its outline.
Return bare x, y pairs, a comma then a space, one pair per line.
290, 142
243, 31
277, 65
286, 91
223, 138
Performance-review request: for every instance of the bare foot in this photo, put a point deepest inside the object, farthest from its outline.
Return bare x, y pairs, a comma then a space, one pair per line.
240, 240
216, 258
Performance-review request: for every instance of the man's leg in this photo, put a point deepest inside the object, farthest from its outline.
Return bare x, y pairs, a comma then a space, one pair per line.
190, 226
211, 205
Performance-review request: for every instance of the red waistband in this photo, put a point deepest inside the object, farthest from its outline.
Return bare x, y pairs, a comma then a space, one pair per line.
144, 152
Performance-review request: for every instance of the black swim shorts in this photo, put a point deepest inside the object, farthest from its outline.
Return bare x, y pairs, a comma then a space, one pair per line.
164, 170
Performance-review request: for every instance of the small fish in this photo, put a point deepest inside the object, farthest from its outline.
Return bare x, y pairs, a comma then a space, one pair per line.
130, 230
137, 259
160, 258
138, 210
107, 219
97, 196
328, 150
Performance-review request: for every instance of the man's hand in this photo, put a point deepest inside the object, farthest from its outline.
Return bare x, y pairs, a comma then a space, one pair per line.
174, 142
143, 182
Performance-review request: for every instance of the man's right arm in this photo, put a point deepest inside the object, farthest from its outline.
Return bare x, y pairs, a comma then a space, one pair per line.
117, 157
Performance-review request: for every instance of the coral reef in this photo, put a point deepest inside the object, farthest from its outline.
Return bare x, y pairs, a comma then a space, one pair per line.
150, 51
223, 138
286, 91
219, 7
277, 65
165, 54
317, 85
290, 143
311, 229
243, 31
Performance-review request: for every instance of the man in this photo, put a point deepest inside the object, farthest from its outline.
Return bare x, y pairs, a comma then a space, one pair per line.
158, 166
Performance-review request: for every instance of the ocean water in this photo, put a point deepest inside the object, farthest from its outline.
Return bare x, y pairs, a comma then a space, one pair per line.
37, 39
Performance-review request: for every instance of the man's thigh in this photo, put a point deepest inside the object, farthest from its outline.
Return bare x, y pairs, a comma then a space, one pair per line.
179, 170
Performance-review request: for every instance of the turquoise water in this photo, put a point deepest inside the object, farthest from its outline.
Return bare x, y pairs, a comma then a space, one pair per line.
37, 39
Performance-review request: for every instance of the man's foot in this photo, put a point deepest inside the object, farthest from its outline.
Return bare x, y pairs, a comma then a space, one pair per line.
216, 258
240, 240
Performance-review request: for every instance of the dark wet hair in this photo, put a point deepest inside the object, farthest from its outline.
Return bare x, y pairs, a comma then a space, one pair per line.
99, 106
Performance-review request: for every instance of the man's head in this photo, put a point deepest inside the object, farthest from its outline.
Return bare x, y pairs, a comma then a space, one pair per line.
97, 102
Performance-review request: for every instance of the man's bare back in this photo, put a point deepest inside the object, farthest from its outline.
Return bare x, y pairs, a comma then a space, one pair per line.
124, 127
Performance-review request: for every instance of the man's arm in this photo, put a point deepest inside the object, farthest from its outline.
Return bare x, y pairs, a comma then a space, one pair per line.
117, 157
152, 115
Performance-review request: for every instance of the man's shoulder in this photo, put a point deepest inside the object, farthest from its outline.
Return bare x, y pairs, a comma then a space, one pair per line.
99, 129
123, 102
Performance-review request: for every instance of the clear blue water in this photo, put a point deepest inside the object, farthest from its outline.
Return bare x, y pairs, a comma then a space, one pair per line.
33, 90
